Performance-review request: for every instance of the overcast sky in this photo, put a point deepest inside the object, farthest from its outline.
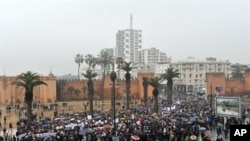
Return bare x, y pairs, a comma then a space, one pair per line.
45, 35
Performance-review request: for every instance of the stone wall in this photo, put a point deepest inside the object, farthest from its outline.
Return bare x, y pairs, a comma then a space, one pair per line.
230, 86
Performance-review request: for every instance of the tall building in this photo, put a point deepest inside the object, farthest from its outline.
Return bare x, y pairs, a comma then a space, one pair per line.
153, 56
129, 44
193, 72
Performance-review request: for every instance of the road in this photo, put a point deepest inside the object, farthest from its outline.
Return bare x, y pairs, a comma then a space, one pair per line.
213, 135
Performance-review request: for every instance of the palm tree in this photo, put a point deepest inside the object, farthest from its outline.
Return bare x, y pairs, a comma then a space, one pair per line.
71, 89
247, 70
77, 92
90, 75
28, 80
169, 74
79, 60
104, 59
145, 90
127, 67
119, 62
90, 60
61, 84
237, 74
84, 88
155, 83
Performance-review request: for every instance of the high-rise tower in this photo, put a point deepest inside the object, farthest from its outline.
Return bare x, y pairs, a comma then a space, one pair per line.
129, 43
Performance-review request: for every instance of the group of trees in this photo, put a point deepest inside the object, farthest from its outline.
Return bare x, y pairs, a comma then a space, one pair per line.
238, 74
61, 83
28, 80
156, 83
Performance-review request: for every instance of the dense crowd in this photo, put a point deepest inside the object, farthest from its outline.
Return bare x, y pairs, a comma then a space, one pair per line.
182, 121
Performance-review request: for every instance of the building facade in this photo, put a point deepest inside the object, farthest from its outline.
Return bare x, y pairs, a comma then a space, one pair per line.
193, 72
128, 44
153, 56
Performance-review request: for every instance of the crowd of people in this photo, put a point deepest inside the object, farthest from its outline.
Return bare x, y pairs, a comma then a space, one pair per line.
182, 121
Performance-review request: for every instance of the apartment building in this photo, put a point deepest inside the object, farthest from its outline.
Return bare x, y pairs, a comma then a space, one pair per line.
128, 44
193, 72
153, 56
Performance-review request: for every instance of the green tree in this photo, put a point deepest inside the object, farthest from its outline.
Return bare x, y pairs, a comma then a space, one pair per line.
79, 60
237, 74
28, 80
71, 89
127, 67
61, 84
169, 74
247, 70
90, 75
104, 59
155, 83
145, 90
91, 61
77, 92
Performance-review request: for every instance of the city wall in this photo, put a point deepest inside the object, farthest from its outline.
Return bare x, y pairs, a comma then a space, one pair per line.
231, 87
10, 94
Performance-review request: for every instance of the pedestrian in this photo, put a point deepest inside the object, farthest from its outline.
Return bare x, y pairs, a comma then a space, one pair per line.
4, 119
14, 138
10, 126
4, 131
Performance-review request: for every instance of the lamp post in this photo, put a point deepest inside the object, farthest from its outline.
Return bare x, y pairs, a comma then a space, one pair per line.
211, 101
113, 78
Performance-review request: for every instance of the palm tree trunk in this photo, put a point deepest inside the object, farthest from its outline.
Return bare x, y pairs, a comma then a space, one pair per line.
91, 104
156, 104
78, 71
103, 84
155, 94
29, 113
91, 96
128, 94
145, 96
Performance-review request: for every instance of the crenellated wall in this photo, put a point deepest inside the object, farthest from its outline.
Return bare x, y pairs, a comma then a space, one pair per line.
136, 88
10, 94
247, 81
230, 86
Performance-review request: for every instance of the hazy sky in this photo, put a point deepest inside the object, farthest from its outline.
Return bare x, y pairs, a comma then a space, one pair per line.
44, 35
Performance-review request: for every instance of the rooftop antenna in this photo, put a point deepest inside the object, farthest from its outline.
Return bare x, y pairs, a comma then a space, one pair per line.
131, 21
50, 73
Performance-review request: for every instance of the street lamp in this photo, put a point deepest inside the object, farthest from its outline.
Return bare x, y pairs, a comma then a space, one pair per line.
211, 100
211, 94
113, 78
